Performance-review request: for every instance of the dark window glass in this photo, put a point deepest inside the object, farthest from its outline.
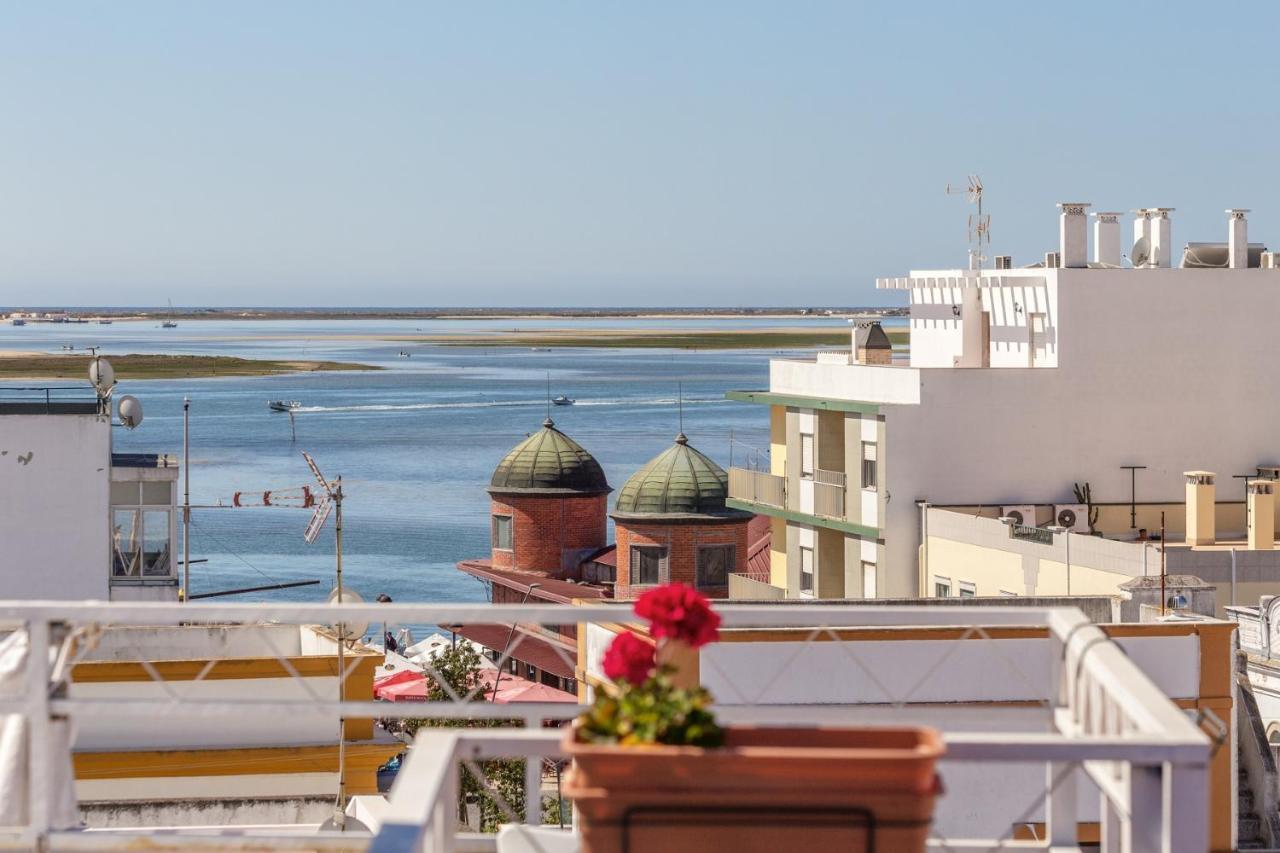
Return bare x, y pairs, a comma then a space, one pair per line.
647, 564
715, 562
502, 532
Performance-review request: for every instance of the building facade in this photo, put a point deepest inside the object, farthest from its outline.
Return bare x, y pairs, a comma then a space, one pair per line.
77, 520
1019, 384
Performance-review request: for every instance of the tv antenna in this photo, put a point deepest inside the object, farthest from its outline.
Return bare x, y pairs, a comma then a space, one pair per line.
331, 500
979, 229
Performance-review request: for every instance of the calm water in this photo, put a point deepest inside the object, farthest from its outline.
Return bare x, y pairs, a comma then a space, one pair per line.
415, 443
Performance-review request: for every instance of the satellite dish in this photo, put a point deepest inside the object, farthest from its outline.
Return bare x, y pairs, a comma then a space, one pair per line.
102, 375
1141, 252
130, 411
348, 630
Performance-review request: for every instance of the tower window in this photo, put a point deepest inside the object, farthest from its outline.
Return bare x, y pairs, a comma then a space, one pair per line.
648, 564
806, 569
715, 562
502, 532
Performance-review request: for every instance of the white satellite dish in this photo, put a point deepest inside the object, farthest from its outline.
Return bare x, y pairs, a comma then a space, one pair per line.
102, 375
130, 411
1141, 252
348, 630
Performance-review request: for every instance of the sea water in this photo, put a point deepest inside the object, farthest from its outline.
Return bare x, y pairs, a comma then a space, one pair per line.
415, 443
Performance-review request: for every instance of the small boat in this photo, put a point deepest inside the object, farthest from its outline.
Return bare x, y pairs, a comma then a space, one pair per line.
404, 354
68, 347
283, 405
168, 324
104, 322
562, 400
18, 321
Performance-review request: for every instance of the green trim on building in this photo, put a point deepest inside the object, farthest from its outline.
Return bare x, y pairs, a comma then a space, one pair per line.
770, 399
804, 518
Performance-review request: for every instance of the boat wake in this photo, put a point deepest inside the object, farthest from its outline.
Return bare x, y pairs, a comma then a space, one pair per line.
498, 404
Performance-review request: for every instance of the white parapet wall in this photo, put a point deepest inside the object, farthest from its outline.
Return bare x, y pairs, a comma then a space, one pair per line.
867, 383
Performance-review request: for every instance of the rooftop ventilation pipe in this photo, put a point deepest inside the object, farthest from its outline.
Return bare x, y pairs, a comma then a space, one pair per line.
1237, 239
1106, 238
1161, 240
1262, 515
1073, 235
1141, 225
1201, 527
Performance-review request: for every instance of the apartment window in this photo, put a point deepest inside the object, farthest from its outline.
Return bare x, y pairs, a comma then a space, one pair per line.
502, 532
806, 455
941, 587
868, 464
715, 562
140, 543
868, 579
648, 564
806, 569
968, 589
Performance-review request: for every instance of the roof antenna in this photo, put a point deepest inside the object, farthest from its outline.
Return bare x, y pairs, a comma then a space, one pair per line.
681, 438
979, 223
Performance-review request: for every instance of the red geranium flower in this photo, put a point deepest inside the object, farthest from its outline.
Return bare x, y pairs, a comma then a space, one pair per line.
680, 613
628, 658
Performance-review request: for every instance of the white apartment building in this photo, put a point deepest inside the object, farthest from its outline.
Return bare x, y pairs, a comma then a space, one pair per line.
78, 521
1019, 384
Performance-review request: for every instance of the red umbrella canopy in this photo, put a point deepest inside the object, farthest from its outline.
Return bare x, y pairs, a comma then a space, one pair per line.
408, 690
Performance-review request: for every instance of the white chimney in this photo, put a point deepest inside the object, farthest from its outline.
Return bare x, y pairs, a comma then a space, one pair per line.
1106, 238
1141, 224
1161, 239
1073, 234
1237, 239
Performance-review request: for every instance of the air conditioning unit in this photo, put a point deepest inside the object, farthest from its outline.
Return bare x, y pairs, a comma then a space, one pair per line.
1074, 517
1025, 514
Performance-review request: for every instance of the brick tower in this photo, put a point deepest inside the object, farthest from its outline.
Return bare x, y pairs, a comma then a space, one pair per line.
548, 505
672, 525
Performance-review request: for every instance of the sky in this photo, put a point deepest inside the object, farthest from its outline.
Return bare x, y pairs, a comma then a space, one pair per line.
596, 153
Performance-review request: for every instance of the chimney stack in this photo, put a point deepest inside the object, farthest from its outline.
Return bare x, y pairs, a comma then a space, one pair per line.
1141, 225
1262, 515
1106, 238
1201, 529
1161, 239
1237, 239
1073, 234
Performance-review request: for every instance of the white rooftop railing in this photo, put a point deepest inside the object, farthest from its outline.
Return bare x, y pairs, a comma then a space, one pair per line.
1101, 715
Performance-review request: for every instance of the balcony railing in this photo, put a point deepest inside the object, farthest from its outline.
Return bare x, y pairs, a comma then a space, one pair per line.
828, 500
758, 487
1076, 706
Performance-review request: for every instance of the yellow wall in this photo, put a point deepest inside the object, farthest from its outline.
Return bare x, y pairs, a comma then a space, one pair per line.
778, 552
993, 571
778, 440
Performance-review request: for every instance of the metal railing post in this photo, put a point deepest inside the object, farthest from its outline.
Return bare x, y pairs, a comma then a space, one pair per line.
1060, 804
40, 760
533, 791
1145, 829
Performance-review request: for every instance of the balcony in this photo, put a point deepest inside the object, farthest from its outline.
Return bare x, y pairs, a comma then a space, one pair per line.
1048, 721
828, 494
758, 487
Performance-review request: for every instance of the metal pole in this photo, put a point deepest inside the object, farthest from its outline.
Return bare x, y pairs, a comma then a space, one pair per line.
1233, 577
510, 634
1067, 538
339, 812
1162, 563
1133, 492
186, 499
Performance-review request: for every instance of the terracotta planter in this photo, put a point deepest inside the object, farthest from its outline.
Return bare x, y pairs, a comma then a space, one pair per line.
767, 789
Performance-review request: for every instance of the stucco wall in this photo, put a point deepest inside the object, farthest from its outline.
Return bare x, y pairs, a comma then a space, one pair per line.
54, 521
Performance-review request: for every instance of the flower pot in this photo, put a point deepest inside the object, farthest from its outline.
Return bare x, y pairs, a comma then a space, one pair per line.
766, 789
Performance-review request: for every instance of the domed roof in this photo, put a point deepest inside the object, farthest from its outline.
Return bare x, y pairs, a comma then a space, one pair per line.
680, 481
549, 462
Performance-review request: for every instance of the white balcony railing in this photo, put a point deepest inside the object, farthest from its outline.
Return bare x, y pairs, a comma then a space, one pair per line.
1078, 707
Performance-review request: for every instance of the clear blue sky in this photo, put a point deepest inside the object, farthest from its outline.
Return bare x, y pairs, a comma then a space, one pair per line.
587, 153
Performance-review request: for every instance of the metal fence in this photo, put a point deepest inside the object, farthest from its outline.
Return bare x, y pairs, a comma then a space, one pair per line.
758, 487
1102, 716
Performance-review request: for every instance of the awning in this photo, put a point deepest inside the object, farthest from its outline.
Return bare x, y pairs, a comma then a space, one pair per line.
545, 655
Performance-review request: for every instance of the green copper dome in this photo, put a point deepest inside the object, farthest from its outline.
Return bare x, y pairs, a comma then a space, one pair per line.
549, 462
680, 481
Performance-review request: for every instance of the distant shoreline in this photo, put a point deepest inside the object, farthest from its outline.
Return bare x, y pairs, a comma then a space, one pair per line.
712, 339
90, 315
33, 366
